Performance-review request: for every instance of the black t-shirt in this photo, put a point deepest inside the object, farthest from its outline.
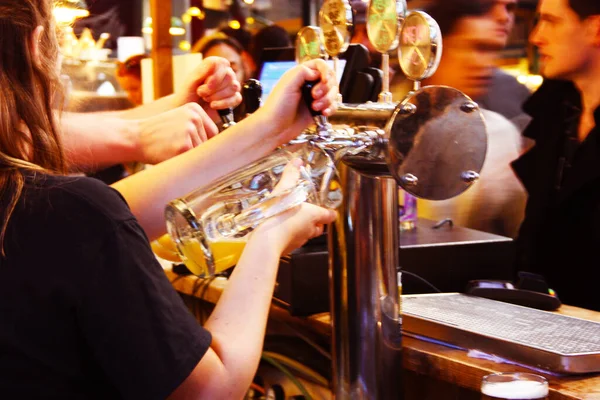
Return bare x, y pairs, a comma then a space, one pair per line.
559, 237
86, 311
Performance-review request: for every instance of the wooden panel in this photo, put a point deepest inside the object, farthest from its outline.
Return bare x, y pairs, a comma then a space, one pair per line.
162, 51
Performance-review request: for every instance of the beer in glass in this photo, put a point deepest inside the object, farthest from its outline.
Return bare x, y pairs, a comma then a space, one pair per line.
514, 386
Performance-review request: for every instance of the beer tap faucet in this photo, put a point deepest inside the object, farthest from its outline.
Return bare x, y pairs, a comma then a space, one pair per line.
324, 128
341, 141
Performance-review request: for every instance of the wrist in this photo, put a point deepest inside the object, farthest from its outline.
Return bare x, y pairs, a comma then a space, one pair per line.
132, 132
177, 99
268, 128
266, 237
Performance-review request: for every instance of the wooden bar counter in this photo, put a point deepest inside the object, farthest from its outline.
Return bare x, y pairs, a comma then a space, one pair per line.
431, 371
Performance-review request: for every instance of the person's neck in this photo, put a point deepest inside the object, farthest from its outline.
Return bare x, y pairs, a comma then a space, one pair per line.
589, 88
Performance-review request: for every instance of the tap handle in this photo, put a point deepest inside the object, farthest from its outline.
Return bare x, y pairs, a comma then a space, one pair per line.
307, 96
226, 115
323, 127
252, 93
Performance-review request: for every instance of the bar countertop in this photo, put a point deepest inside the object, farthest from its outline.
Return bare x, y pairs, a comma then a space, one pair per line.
430, 360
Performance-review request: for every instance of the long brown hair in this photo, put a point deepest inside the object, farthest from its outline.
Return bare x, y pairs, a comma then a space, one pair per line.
29, 136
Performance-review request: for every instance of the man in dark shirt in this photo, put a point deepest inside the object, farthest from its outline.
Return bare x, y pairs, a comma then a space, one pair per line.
560, 235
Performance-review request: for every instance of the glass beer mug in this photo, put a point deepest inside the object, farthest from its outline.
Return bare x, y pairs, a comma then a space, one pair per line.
517, 386
210, 226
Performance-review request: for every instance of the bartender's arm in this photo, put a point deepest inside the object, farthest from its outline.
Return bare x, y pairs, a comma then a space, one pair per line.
281, 119
157, 131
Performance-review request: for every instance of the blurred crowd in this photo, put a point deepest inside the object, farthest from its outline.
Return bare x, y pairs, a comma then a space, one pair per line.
475, 33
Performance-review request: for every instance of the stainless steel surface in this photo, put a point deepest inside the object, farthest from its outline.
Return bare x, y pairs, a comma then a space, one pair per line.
367, 114
363, 243
542, 339
363, 249
441, 143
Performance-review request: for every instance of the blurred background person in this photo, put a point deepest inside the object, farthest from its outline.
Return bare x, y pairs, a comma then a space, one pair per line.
491, 23
495, 203
244, 38
129, 76
268, 37
221, 45
505, 95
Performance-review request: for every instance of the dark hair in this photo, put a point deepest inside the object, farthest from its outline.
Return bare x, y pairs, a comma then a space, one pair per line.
448, 12
29, 136
243, 36
268, 37
585, 8
131, 67
210, 41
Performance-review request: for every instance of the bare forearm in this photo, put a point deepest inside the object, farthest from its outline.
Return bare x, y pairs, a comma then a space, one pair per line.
238, 322
162, 105
148, 192
148, 110
98, 140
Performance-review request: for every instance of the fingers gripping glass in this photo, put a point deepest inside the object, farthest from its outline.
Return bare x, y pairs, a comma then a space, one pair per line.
210, 225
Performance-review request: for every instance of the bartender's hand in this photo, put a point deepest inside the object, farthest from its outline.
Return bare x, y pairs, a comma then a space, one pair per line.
173, 132
291, 229
213, 85
284, 107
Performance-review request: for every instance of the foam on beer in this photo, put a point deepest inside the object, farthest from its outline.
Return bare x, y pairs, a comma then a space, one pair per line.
515, 390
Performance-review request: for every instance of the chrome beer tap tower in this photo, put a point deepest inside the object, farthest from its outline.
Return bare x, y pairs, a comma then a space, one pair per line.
433, 144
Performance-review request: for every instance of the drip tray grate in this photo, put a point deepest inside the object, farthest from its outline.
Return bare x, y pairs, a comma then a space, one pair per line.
541, 339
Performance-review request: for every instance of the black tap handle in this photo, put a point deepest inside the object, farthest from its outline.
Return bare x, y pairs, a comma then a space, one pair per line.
307, 96
252, 93
227, 117
225, 113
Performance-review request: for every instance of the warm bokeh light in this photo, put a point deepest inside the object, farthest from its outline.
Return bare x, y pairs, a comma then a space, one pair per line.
176, 28
194, 11
65, 15
531, 81
185, 45
176, 31
249, 1
235, 24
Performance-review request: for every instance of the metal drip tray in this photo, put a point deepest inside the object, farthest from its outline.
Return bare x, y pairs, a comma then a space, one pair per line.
545, 340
